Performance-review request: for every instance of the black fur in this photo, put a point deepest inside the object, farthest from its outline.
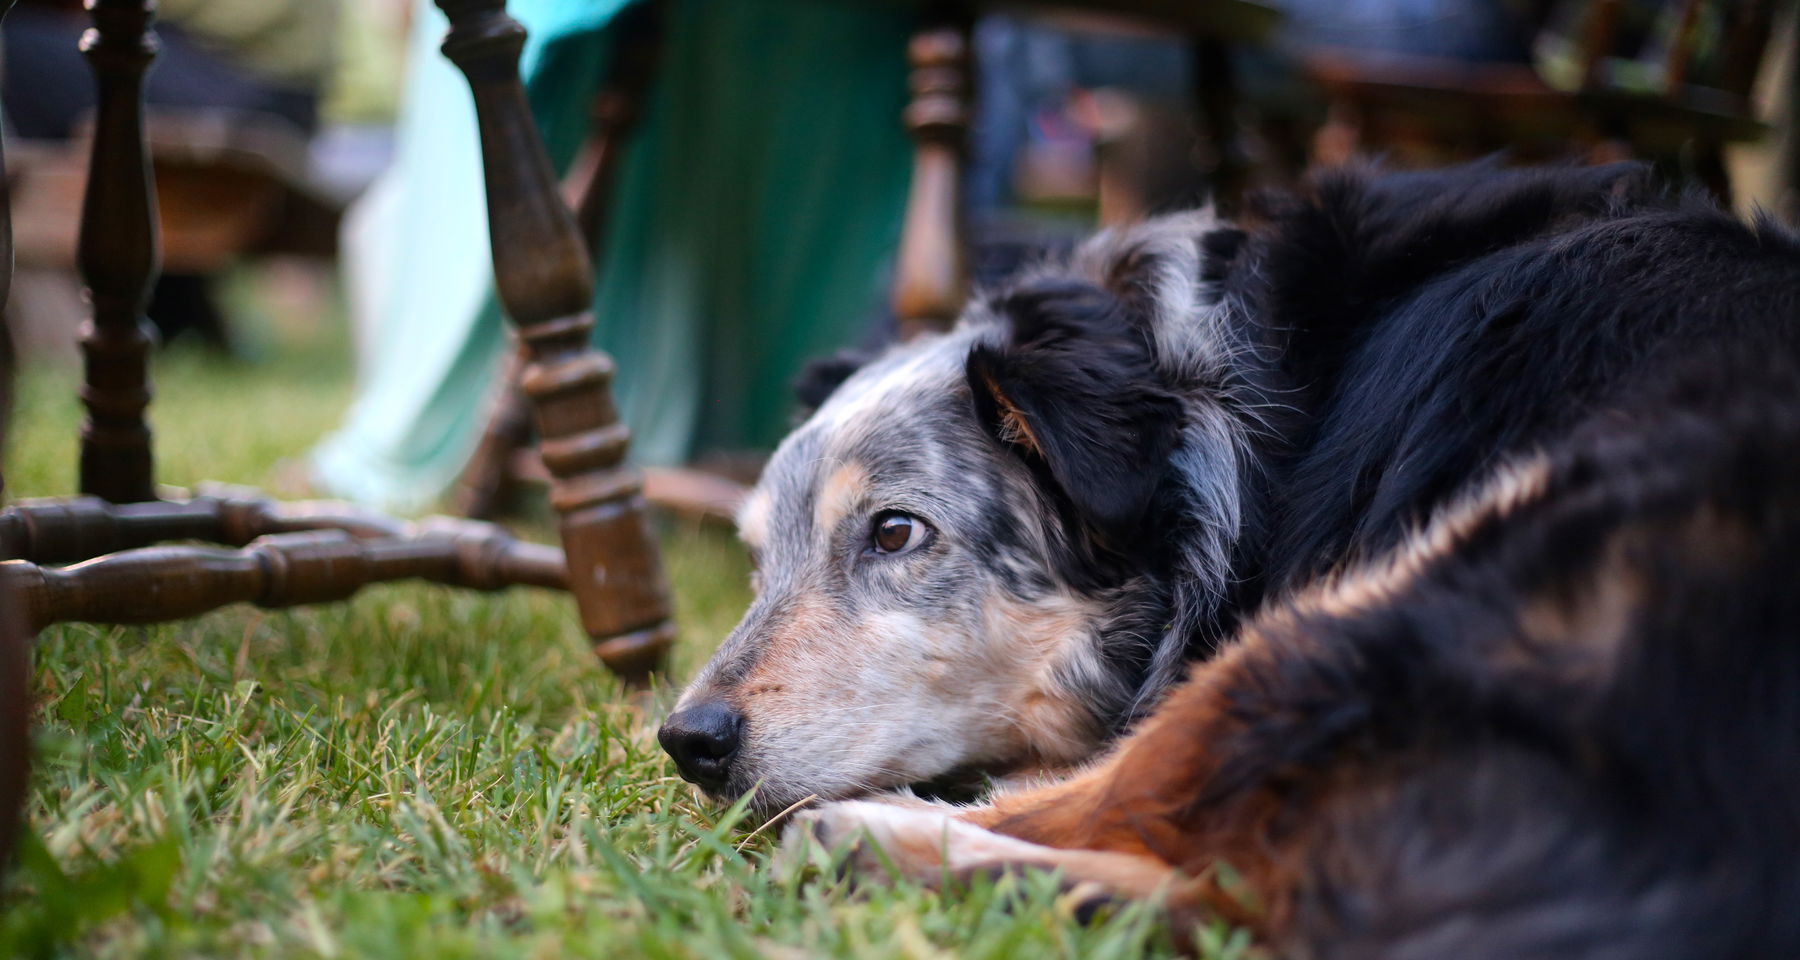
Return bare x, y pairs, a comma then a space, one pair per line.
821, 377
1104, 423
1442, 322
1575, 732
1624, 791
1431, 328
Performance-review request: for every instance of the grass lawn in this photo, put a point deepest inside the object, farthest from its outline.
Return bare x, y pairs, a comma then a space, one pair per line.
418, 772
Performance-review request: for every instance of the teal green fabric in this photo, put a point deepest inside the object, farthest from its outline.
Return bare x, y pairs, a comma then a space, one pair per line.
757, 209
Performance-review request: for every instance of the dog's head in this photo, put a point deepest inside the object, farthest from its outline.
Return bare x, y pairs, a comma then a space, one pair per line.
966, 554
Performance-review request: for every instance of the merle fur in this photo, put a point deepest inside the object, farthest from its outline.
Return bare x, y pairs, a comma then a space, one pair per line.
1398, 336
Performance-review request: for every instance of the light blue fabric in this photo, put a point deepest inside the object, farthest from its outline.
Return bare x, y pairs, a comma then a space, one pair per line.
757, 207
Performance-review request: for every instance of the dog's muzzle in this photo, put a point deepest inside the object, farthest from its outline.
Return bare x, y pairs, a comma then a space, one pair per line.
703, 739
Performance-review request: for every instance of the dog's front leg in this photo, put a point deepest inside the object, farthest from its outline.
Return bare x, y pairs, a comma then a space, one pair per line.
933, 844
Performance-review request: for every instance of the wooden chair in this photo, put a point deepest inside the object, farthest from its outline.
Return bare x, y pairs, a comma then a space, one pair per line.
1431, 109
931, 272
278, 555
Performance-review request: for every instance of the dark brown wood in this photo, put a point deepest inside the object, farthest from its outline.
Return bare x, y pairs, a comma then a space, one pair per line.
1243, 21
931, 273
684, 491
72, 529
487, 484
542, 273
638, 42
1425, 109
156, 584
1227, 165
118, 257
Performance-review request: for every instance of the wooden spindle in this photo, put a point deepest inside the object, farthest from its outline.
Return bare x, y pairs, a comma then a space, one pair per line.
485, 488
488, 482
931, 273
542, 273
72, 529
157, 584
118, 257
637, 52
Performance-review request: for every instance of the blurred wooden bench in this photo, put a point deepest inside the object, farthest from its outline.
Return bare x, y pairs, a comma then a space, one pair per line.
1613, 100
226, 185
278, 555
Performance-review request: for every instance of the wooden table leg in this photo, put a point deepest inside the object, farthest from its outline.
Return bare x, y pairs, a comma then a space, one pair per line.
118, 257
931, 273
542, 273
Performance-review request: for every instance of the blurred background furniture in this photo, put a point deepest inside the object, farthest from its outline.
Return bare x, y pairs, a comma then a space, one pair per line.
1666, 81
233, 106
307, 553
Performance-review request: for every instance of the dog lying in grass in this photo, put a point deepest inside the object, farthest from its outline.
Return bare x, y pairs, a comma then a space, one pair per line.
1470, 499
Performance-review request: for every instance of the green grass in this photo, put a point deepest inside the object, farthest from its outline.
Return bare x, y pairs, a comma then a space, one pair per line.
417, 772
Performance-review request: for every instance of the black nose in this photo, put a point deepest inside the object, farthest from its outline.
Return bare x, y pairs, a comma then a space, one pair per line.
703, 739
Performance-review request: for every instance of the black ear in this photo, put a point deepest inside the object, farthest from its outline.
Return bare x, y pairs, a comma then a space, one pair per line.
821, 377
1076, 393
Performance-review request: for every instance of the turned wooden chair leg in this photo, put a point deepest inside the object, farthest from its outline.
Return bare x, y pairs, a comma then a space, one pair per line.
931, 279
617, 109
118, 257
542, 273
488, 484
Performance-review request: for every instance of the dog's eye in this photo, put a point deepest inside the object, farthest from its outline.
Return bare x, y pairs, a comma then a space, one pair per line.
897, 533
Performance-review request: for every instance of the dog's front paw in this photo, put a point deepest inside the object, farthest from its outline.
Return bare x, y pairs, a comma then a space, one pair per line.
874, 841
